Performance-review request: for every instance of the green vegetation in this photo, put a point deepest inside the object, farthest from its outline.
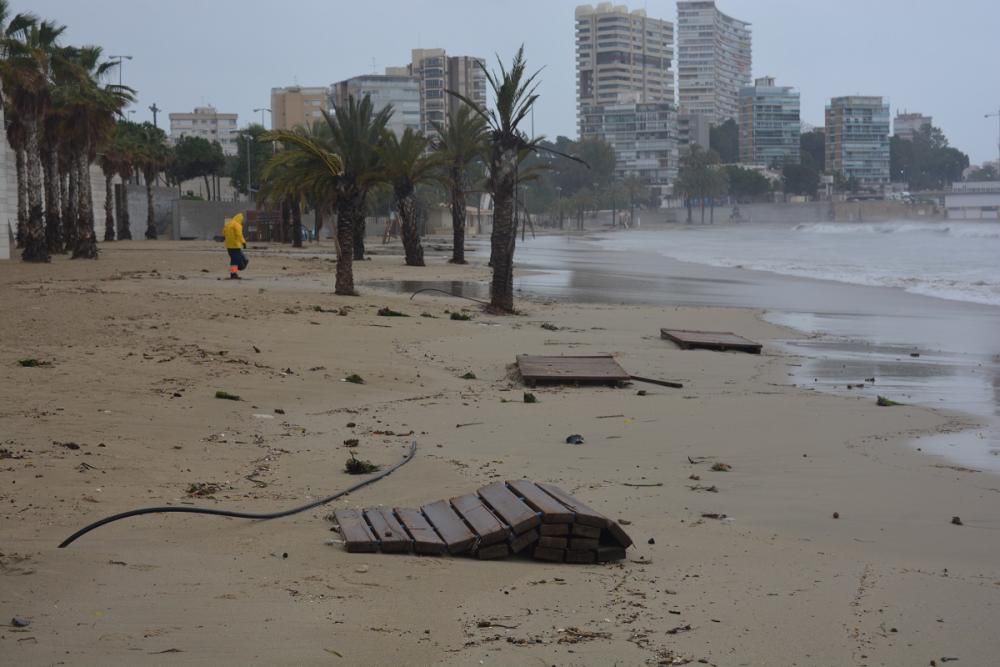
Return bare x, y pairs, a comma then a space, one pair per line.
885, 402
227, 396
927, 162
701, 180
530, 398
354, 378
725, 141
33, 363
385, 311
469, 376
356, 466
461, 317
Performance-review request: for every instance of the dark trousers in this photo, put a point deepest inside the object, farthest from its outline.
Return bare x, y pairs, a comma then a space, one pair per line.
237, 258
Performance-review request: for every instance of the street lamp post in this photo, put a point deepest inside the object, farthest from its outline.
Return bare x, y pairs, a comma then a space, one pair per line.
120, 67
262, 110
997, 116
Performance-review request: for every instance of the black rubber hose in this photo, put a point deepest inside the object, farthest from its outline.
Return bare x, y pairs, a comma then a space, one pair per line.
239, 515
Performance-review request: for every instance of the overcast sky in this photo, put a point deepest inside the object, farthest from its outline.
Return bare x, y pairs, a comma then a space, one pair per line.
941, 58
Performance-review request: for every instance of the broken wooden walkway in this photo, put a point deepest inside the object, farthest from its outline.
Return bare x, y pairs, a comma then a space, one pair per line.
500, 519
572, 369
720, 341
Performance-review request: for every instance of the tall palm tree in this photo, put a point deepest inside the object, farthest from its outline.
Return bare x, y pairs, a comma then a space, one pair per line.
406, 163
507, 146
12, 32
153, 156
25, 71
460, 142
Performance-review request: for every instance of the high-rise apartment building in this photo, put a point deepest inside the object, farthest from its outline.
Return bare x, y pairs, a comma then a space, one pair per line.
857, 139
297, 106
436, 73
769, 124
207, 123
400, 90
644, 137
714, 55
621, 57
692, 129
907, 125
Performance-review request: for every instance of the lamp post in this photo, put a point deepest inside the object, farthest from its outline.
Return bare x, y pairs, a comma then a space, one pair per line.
559, 204
262, 110
119, 60
997, 116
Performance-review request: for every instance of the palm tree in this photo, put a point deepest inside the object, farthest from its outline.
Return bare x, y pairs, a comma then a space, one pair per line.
25, 70
406, 164
460, 142
153, 156
508, 145
10, 34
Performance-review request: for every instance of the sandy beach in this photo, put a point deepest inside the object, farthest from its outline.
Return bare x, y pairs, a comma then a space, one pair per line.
123, 415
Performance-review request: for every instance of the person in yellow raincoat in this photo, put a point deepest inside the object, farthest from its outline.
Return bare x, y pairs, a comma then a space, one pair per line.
232, 232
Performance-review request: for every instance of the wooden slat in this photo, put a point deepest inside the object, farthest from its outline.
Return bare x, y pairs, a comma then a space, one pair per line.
581, 530
555, 529
388, 531
492, 552
552, 510
606, 553
425, 540
456, 535
619, 535
509, 507
710, 340
524, 540
358, 537
583, 514
553, 542
583, 543
587, 556
554, 555
486, 526
597, 368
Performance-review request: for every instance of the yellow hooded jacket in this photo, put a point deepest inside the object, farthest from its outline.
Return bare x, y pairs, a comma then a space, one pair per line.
233, 232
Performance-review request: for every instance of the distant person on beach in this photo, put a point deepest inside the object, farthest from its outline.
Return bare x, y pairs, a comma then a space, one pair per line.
232, 231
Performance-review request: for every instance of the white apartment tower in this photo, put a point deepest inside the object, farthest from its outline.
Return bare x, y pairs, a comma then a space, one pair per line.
713, 60
621, 57
207, 123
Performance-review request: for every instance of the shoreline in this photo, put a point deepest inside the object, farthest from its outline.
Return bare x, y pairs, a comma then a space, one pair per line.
780, 567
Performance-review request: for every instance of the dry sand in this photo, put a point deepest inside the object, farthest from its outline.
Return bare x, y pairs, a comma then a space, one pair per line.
140, 341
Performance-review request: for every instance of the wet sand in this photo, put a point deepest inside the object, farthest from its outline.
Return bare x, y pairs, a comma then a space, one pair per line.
141, 340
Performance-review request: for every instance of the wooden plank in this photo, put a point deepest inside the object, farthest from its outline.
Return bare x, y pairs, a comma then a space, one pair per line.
580, 530
583, 543
554, 529
358, 537
583, 514
425, 540
453, 531
553, 555
619, 535
493, 552
594, 368
588, 556
523, 541
487, 527
711, 340
553, 542
388, 531
606, 553
552, 510
509, 507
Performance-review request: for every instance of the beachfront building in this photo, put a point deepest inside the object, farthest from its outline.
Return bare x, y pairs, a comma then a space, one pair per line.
436, 73
857, 139
207, 123
620, 56
907, 125
297, 106
692, 128
973, 200
643, 135
714, 55
400, 91
769, 124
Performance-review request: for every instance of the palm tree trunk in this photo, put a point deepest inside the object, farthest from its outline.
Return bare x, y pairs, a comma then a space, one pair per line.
109, 206
149, 175
407, 207
296, 222
71, 200
124, 222
318, 223
35, 247
53, 221
208, 188
458, 216
345, 239
504, 235
22, 196
86, 240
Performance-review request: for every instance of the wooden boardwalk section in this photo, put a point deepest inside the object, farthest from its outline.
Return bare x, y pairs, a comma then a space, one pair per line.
720, 341
500, 519
593, 369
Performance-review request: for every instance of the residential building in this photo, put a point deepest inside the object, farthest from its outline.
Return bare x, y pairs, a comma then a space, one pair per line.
297, 106
401, 91
857, 139
621, 56
436, 73
207, 123
643, 135
907, 125
769, 124
714, 54
692, 129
